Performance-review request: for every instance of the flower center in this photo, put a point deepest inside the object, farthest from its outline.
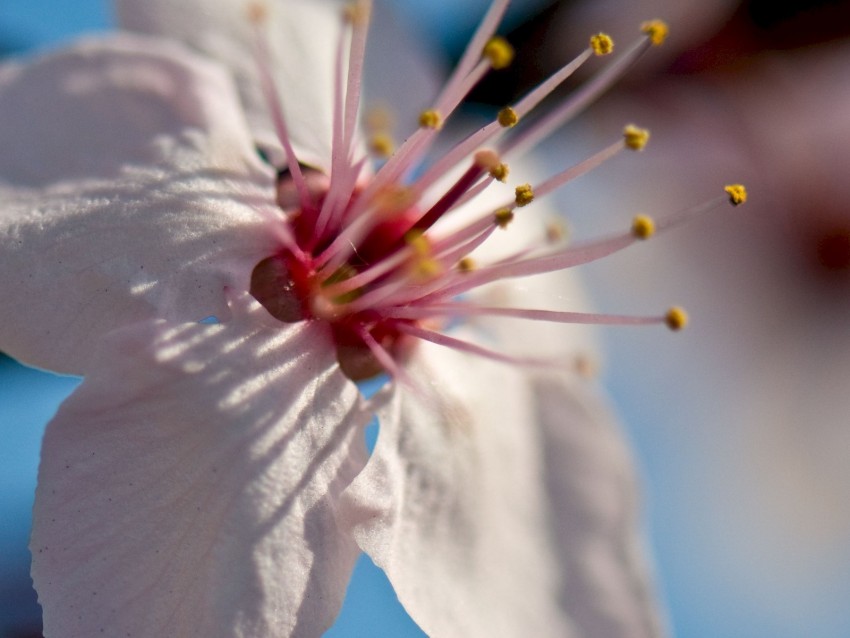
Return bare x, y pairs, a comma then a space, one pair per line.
299, 285
368, 254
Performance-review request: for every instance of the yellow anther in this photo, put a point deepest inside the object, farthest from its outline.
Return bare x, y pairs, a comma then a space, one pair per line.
394, 199
556, 232
378, 118
676, 318
657, 30
635, 137
601, 43
586, 366
500, 172
418, 242
467, 264
499, 52
524, 195
490, 161
504, 216
258, 12
508, 117
737, 193
431, 119
381, 144
426, 268
643, 226
423, 265
355, 12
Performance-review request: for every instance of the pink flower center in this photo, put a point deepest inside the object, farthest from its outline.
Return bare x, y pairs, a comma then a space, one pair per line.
368, 254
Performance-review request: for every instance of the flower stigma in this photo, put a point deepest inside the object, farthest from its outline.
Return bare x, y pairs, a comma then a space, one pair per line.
367, 252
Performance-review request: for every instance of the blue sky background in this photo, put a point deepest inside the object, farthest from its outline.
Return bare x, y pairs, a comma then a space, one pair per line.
702, 603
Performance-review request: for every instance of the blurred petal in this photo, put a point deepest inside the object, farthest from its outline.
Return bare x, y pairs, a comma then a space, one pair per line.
452, 507
607, 587
504, 507
302, 40
102, 104
189, 486
162, 210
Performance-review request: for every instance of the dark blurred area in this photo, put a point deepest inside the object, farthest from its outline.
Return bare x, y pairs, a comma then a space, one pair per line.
750, 29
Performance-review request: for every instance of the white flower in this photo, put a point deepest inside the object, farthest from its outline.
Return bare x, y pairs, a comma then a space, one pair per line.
212, 480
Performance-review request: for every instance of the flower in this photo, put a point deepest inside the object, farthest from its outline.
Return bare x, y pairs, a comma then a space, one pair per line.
212, 479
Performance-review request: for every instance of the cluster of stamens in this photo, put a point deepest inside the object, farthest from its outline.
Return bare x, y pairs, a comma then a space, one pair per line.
369, 256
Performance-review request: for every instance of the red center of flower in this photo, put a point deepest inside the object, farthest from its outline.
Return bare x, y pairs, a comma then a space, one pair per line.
298, 286
368, 254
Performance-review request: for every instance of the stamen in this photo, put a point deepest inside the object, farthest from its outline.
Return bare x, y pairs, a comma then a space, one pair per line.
485, 224
258, 12
385, 359
423, 266
524, 195
355, 13
480, 187
425, 269
504, 217
381, 145
681, 217
582, 168
602, 44
451, 256
676, 318
339, 154
566, 258
467, 264
431, 119
471, 348
552, 316
368, 275
643, 226
363, 9
500, 172
635, 138
465, 75
507, 117
499, 52
447, 201
586, 366
583, 97
496, 128
378, 118
657, 30
737, 194
490, 161
556, 232
270, 92
473, 50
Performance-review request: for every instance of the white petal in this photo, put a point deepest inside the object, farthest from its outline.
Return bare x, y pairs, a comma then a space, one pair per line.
189, 486
102, 104
164, 238
607, 587
302, 41
506, 508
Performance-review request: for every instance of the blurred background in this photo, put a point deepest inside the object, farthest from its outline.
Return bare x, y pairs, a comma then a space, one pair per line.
740, 423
